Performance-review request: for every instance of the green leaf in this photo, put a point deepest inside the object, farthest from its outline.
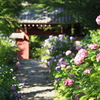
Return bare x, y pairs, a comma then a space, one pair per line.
92, 98
78, 91
93, 58
85, 97
98, 96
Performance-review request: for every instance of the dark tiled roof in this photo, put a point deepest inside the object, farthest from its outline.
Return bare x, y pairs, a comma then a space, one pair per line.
31, 16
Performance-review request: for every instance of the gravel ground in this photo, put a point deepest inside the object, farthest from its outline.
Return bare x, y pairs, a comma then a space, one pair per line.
37, 80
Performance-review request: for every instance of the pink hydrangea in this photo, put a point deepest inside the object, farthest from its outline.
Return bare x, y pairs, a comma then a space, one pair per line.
98, 20
68, 67
69, 82
87, 71
80, 56
98, 57
83, 52
93, 46
79, 62
68, 52
79, 59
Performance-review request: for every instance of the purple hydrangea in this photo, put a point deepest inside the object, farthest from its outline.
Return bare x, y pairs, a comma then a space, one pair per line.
18, 64
11, 95
72, 75
57, 68
13, 88
19, 95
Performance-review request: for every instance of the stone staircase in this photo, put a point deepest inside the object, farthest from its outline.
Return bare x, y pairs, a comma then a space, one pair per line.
35, 83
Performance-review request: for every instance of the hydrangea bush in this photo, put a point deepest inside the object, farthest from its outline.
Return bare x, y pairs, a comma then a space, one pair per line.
7, 50
56, 49
56, 46
82, 78
78, 78
91, 37
8, 64
75, 73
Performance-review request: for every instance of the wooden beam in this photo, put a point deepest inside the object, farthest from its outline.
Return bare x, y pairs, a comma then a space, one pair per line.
31, 32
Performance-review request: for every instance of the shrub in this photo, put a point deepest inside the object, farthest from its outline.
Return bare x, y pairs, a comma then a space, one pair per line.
56, 46
92, 37
85, 76
76, 77
57, 49
7, 50
8, 64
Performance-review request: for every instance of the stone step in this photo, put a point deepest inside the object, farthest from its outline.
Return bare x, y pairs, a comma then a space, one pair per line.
35, 75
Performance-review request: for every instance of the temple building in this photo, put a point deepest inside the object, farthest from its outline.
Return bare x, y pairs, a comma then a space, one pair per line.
34, 23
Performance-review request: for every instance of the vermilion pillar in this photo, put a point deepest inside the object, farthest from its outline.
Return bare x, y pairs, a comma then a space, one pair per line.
23, 45
23, 52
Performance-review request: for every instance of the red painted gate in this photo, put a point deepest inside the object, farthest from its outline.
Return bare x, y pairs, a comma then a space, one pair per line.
23, 45
22, 40
23, 53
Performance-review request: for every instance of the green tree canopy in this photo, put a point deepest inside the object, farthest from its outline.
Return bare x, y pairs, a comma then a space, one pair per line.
84, 11
9, 9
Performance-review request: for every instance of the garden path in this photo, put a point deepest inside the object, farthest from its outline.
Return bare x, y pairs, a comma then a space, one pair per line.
36, 80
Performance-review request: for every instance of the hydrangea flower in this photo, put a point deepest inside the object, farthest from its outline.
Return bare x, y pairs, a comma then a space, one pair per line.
72, 75
93, 46
69, 82
6, 66
11, 95
14, 77
78, 47
19, 95
57, 68
13, 88
71, 37
80, 56
61, 35
62, 63
78, 96
1, 34
79, 60
68, 67
87, 71
83, 52
98, 20
98, 57
11, 69
68, 52
51, 36
18, 64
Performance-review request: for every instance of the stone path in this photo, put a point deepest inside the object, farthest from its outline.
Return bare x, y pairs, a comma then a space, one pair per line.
36, 80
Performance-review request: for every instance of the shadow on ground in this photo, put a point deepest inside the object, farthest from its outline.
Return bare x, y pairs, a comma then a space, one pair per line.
34, 78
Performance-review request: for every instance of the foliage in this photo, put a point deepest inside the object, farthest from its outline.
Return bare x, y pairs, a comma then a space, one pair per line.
56, 47
77, 77
91, 37
8, 49
9, 10
8, 65
84, 11
35, 46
